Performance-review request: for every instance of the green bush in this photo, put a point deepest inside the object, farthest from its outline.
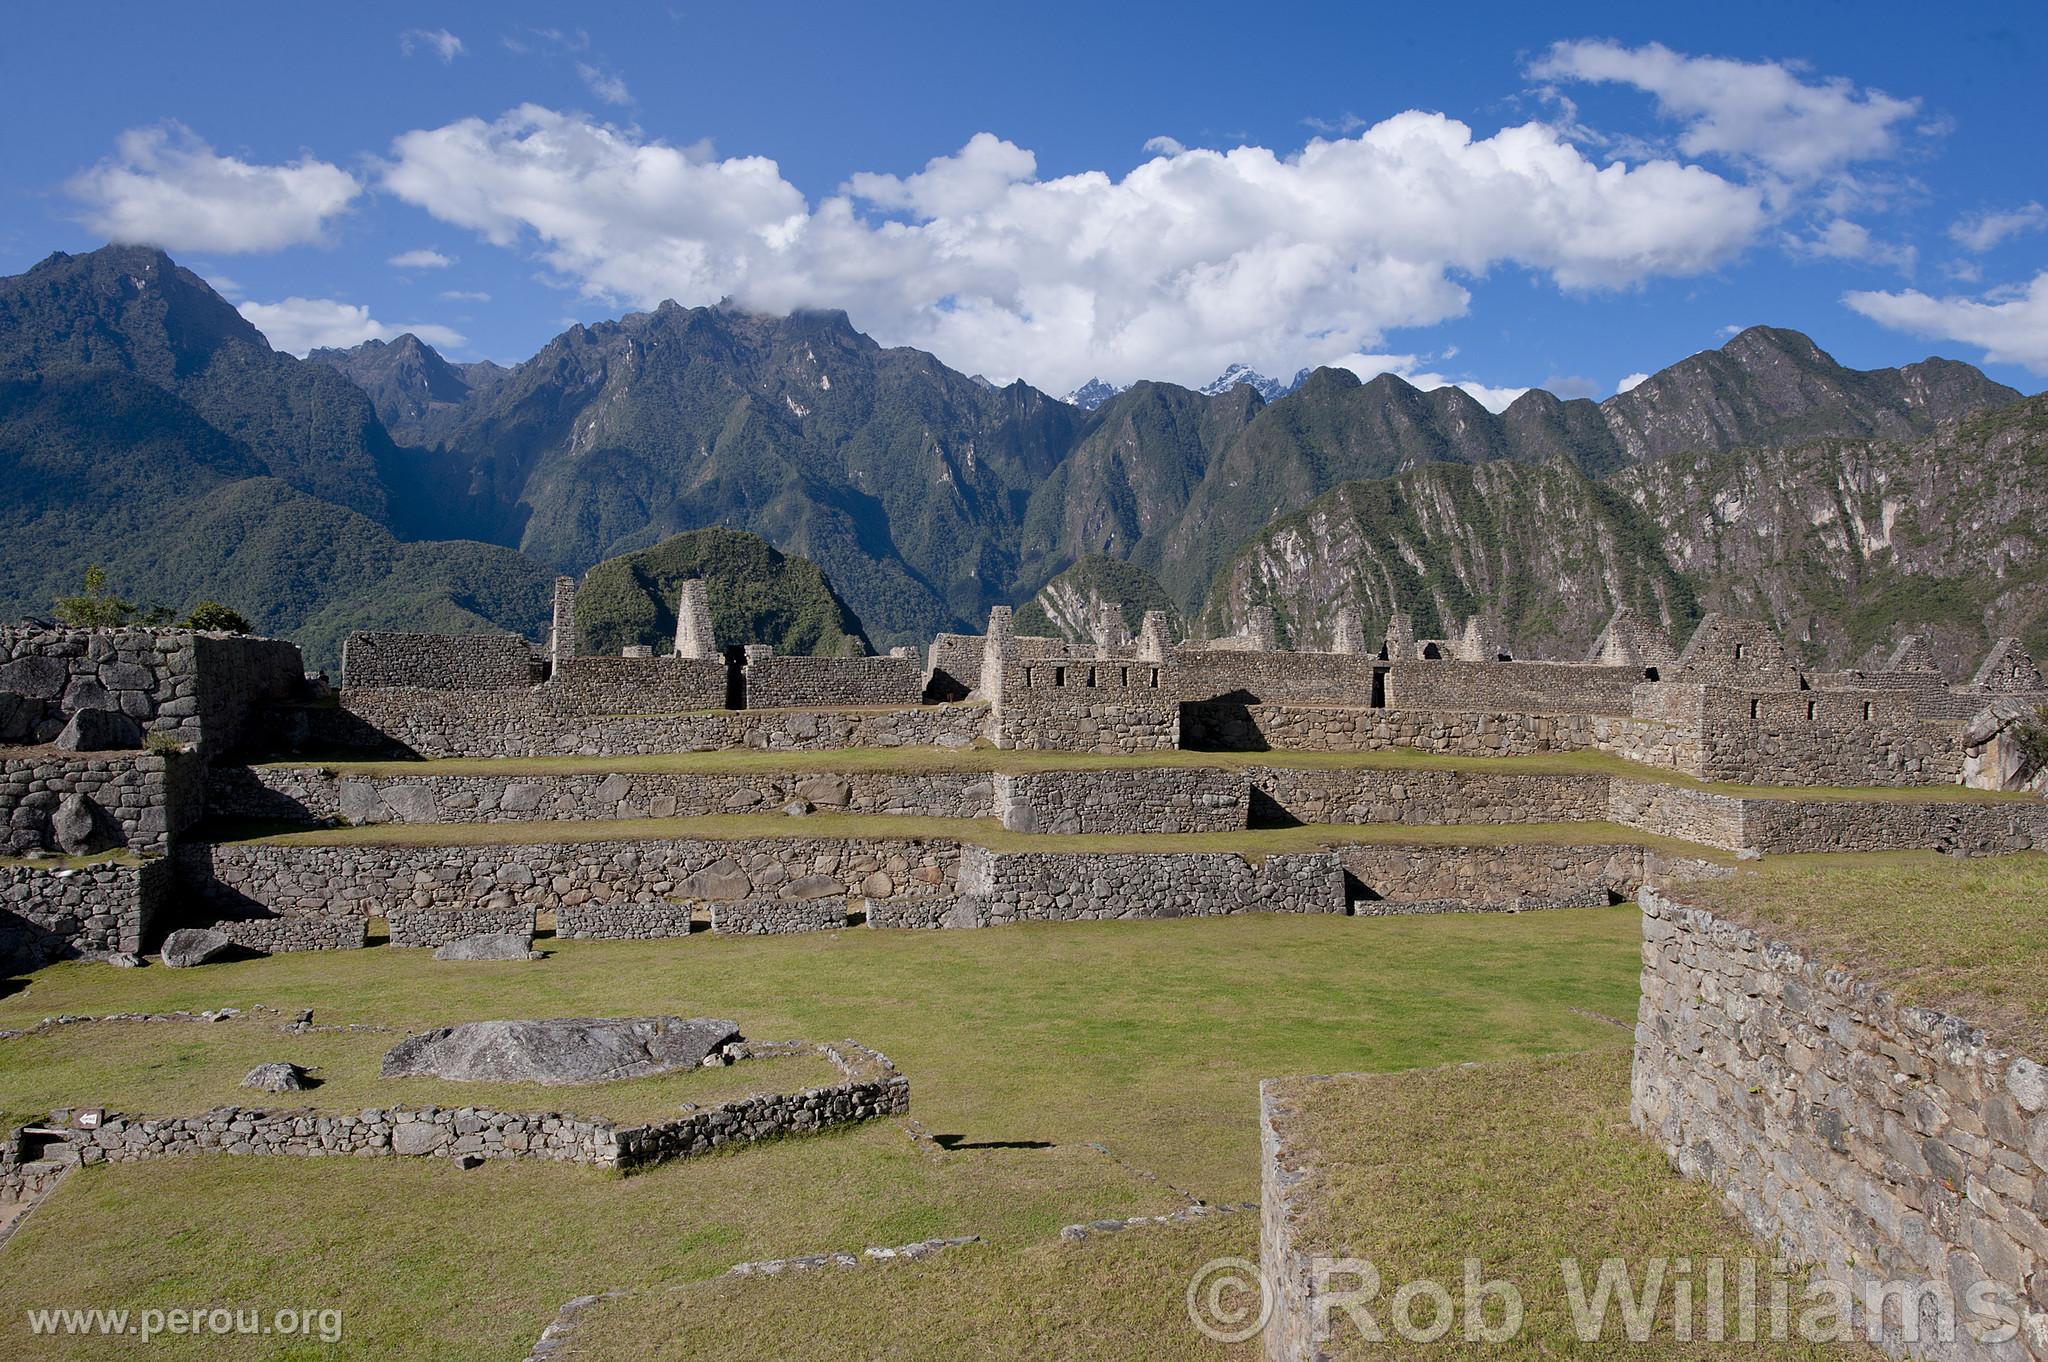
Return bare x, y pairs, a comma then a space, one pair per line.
160, 742
94, 607
2033, 740
212, 615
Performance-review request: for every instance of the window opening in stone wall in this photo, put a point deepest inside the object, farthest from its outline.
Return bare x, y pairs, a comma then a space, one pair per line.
1059, 676
1155, 678
1124, 677
1756, 709
1738, 652
1650, 674
1812, 710
1867, 709
1091, 678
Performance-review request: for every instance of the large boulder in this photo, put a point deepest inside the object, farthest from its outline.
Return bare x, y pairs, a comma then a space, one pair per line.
100, 730
722, 879
277, 1077
190, 946
559, 1052
81, 828
490, 946
814, 887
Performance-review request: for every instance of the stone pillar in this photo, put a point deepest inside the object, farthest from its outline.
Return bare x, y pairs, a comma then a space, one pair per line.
1401, 637
1261, 629
563, 640
1107, 625
1472, 647
1155, 641
1350, 631
998, 649
694, 637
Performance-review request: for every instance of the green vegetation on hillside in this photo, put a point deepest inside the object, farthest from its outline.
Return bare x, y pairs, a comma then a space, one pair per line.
1092, 579
757, 595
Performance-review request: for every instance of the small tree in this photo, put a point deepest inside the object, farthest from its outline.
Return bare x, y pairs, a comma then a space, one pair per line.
95, 607
212, 615
2032, 739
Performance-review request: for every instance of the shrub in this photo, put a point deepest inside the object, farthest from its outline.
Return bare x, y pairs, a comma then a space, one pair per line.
2032, 738
95, 607
158, 741
212, 615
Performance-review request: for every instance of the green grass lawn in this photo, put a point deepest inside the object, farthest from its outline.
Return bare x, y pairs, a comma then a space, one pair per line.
980, 758
1025, 1046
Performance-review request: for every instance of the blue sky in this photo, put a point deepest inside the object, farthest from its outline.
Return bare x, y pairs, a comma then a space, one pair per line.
1503, 196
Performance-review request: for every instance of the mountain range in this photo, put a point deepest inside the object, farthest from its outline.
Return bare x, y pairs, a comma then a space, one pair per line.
145, 425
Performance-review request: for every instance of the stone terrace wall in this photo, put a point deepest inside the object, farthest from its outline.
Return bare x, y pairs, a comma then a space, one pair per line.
513, 724
308, 792
1430, 797
438, 661
1053, 887
1713, 820
148, 797
1876, 1141
777, 917
271, 882
828, 682
1512, 687
1200, 674
1226, 727
585, 686
196, 688
1789, 827
871, 1088
1152, 799
48, 914
1422, 878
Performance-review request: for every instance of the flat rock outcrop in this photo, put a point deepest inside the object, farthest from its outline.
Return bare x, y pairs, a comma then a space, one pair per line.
190, 946
561, 1051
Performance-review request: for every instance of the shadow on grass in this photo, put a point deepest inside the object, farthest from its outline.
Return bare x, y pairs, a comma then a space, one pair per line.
954, 1142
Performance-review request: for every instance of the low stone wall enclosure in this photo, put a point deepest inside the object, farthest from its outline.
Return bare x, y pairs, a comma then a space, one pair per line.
871, 1088
1874, 1140
55, 912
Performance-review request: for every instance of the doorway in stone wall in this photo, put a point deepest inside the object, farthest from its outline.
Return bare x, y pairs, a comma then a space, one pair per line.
736, 678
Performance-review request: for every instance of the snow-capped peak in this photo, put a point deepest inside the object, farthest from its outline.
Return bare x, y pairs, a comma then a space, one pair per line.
1268, 388
1093, 394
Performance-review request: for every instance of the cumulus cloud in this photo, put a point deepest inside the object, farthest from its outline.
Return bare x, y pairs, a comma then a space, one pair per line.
438, 41
1193, 260
2010, 325
297, 325
1981, 232
1764, 112
163, 186
421, 260
1632, 382
1841, 239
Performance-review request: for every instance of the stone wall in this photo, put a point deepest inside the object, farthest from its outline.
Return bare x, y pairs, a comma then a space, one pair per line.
870, 1089
1425, 878
1052, 887
1200, 674
54, 914
832, 682
201, 689
953, 667
437, 927
1788, 737
1874, 1140
1101, 704
249, 880
309, 793
777, 917
274, 933
1227, 727
1512, 687
141, 800
438, 661
1160, 799
582, 687
513, 724
1364, 795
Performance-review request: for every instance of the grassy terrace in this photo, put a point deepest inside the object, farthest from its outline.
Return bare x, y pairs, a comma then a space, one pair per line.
1249, 842
1965, 936
1026, 1047
926, 760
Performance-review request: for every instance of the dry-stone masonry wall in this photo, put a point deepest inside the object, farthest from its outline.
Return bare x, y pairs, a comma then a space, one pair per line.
1512, 687
1200, 674
513, 724
1877, 1141
582, 687
1364, 795
1423, 878
1051, 887
436, 927
1149, 799
1229, 727
141, 799
777, 917
52, 914
830, 682
438, 661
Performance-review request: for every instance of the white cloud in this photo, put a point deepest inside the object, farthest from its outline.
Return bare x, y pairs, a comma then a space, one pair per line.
297, 325
1842, 239
1409, 369
604, 84
1983, 231
2010, 325
464, 295
439, 41
163, 186
1631, 383
1763, 112
421, 260
1193, 260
